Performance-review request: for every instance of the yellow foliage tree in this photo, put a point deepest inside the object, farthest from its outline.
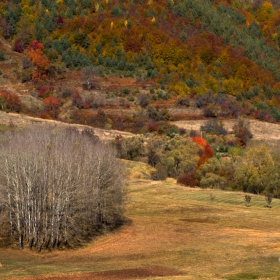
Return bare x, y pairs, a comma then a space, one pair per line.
265, 12
232, 86
181, 88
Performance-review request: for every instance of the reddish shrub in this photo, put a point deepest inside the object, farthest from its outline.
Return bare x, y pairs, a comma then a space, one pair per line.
188, 179
10, 101
59, 20
208, 151
52, 105
152, 126
18, 46
201, 161
42, 91
44, 115
86, 105
77, 99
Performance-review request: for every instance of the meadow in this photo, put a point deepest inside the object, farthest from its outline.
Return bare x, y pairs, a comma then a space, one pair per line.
172, 232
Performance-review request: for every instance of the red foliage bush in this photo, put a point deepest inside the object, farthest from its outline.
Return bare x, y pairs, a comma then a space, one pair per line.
18, 46
10, 101
208, 151
264, 116
35, 45
59, 20
86, 105
44, 115
52, 105
77, 99
152, 126
188, 179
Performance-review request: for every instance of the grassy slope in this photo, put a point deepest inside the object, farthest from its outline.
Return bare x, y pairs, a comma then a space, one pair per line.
173, 227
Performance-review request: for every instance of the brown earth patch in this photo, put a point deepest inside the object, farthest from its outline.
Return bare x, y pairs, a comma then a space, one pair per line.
136, 273
197, 221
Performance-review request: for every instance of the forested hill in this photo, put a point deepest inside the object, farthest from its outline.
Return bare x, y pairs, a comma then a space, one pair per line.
189, 47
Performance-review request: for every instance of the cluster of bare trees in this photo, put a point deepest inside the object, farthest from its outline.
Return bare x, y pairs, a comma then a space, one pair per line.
59, 186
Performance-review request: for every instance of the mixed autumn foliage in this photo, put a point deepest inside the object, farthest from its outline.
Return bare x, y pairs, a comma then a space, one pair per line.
201, 50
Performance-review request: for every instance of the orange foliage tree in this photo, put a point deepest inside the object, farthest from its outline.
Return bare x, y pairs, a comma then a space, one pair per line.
206, 153
52, 105
200, 141
40, 63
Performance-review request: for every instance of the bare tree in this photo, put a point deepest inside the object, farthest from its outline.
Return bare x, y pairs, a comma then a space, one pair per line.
89, 75
60, 186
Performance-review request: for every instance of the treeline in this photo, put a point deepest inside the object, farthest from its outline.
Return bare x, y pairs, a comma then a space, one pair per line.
217, 160
59, 187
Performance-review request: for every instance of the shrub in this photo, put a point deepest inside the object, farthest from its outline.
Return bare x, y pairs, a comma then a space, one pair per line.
125, 90
194, 133
10, 101
157, 115
152, 126
144, 100
247, 199
201, 100
212, 111
2, 55
26, 63
268, 198
188, 179
183, 102
214, 127
66, 93
242, 132
171, 132
18, 46
160, 173
264, 116
26, 76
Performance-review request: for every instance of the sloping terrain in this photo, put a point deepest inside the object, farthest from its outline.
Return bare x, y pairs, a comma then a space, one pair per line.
171, 230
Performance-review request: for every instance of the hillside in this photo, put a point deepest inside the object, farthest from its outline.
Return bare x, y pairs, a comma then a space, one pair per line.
90, 63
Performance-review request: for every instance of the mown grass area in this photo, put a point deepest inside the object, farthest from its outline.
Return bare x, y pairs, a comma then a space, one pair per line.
174, 227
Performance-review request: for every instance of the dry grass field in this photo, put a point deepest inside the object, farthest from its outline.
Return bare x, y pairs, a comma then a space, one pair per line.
173, 232
260, 130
